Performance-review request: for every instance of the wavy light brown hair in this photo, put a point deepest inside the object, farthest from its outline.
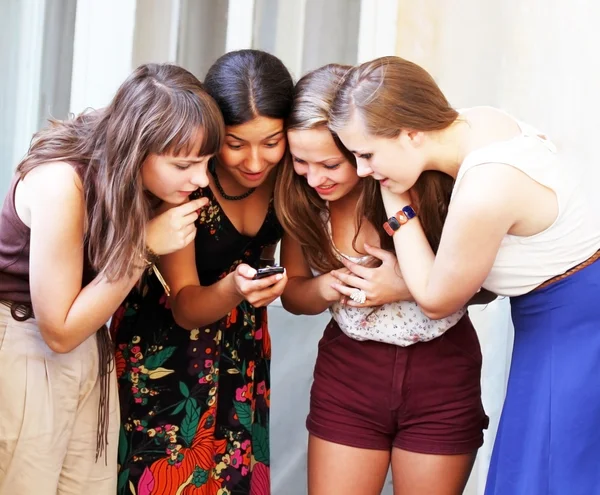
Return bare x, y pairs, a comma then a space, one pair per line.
301, 212
157, 110
390, 94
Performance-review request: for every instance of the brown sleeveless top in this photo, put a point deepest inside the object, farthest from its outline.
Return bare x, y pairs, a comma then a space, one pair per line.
15, 239
14, 251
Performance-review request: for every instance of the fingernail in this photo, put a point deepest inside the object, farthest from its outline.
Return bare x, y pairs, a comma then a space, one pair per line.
278, 277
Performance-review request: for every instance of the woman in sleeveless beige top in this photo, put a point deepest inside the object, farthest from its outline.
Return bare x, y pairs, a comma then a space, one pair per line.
518, 225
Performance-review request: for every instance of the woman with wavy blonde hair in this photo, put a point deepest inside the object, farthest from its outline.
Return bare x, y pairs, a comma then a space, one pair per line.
391, 387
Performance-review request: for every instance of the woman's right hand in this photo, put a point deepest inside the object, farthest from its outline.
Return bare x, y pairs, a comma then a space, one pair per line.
259, 292
327, 286
381, 285
174, 228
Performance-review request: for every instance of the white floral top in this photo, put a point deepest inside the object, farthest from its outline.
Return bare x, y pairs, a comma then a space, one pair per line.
400, 323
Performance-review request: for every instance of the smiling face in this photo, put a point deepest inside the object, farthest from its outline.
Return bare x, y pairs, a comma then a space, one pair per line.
172, 178
253, 149
396, 162
317, 158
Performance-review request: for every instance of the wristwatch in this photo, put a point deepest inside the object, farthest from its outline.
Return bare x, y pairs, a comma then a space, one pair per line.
400, 218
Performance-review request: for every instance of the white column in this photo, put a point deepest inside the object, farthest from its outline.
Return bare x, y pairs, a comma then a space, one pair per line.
240, 24
156, 32
289, 41
378, 28
103, 48
28, 71
174, 30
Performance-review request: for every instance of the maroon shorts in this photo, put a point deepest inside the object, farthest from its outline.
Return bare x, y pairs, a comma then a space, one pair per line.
423, 398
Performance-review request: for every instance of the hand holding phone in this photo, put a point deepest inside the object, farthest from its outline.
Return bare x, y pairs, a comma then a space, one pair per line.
259, 287
267, 271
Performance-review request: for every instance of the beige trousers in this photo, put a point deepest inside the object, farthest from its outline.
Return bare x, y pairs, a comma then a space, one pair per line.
48, 416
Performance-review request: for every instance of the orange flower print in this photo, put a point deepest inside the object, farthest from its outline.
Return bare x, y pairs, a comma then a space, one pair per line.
231, 317
120, 363
266, 338
193, 474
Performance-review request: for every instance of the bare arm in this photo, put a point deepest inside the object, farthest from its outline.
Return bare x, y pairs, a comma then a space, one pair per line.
66, 314
481, 213
304, 294
385, 284
382, 285
194, 305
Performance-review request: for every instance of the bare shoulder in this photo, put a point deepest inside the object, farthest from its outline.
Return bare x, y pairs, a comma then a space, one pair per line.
490, 124
54, 180
489, 187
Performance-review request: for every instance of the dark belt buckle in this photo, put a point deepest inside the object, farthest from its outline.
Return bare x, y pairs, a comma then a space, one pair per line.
20, 311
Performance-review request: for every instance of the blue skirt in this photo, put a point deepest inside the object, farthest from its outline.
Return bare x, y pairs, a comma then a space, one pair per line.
548, 441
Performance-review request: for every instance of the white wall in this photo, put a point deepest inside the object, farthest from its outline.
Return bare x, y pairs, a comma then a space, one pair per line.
21, 39
101, 61
533, 58
202, 34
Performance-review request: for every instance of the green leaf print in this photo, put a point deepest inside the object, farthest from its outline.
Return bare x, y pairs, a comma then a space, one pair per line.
244, 412
260, 443
185, 391
199, 477
123, 477
183, 403
122, 446
158, 359
179, 408
189, 425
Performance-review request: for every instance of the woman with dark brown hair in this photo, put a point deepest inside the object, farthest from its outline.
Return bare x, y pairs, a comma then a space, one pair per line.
194, 368
519, 225
77, 230
391, 386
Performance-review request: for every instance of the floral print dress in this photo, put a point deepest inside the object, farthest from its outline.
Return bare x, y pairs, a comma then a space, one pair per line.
195, 404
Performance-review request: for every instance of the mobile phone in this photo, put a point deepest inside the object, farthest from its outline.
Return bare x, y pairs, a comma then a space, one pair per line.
267, 271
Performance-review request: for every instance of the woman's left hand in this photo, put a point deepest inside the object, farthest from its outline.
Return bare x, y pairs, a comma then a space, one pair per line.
381, 285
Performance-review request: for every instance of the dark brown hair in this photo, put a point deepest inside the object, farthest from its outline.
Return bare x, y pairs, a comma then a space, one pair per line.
390, 94
250, 83
158, 109
302, 213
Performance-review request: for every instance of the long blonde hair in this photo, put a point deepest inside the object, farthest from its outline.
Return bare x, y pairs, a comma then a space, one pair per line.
158, 109
301, 212
390, 94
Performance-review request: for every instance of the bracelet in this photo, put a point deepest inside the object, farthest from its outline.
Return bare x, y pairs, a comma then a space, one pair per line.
400, 218
150, 260
161, 279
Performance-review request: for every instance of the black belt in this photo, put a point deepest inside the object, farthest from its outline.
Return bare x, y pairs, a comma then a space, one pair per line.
18, 310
